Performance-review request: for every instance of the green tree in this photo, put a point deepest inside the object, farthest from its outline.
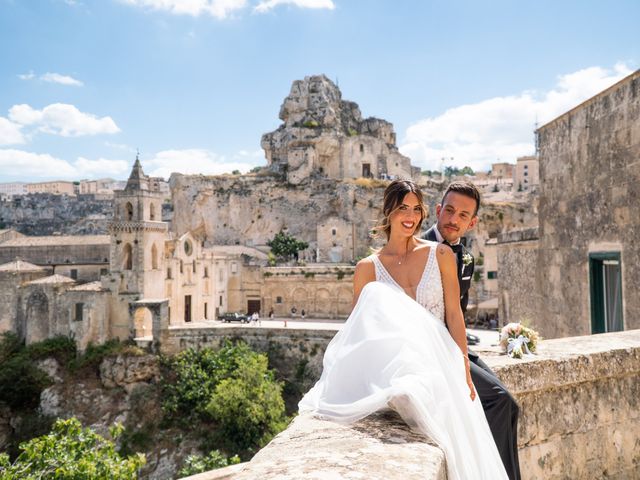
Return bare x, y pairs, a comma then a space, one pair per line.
195, 464
71, 452
248, 406
286, 246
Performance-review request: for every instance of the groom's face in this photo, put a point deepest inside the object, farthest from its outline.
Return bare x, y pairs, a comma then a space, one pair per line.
456, 216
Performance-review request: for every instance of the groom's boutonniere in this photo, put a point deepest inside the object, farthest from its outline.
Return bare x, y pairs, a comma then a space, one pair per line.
467, 259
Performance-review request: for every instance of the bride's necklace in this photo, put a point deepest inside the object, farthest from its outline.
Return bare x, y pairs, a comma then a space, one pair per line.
401, 258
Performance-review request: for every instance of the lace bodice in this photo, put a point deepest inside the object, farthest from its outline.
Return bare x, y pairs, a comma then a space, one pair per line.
429, 292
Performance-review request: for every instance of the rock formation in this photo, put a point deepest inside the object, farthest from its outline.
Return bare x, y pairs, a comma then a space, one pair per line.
325, 135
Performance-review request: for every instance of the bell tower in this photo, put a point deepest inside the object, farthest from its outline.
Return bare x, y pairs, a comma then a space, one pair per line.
138, 235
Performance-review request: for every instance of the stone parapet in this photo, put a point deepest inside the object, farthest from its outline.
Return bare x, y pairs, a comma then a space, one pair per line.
580, 419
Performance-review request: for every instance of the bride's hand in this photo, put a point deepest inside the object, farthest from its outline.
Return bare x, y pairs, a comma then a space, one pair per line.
469, 381
471, 388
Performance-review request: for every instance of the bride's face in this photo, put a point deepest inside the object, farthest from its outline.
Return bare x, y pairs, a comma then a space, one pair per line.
406, 216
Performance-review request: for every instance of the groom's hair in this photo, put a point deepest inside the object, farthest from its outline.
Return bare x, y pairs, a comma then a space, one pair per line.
467, 189
393, 196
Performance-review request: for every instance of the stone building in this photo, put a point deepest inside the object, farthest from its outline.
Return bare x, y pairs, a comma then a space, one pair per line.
525, 174
57, 187
579, 276
325, 135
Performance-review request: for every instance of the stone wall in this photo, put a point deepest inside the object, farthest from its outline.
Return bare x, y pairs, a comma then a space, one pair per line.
580, 404
589, 194
322, 291
518, 281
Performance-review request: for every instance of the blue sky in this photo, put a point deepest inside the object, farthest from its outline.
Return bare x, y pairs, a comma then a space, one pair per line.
194, 84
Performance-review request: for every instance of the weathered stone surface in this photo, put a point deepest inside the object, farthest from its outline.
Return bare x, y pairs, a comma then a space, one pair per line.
126, 370
378, 447
326, 136
580, 404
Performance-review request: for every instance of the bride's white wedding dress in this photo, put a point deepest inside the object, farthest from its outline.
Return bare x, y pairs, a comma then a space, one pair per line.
395, 351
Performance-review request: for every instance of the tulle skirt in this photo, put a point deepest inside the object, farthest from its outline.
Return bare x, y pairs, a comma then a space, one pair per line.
392, 353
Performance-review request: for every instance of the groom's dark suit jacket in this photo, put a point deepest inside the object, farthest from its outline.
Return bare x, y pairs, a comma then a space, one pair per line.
465, 272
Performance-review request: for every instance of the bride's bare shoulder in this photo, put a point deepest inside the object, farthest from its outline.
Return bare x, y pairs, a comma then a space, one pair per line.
365, 268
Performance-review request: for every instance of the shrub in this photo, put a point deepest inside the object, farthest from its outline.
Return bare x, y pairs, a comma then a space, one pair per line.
71, 452
195, 464
193, 376
248, 406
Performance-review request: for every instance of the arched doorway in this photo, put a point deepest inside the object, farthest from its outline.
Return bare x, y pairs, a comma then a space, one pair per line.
142, 323
345, 298
323, 303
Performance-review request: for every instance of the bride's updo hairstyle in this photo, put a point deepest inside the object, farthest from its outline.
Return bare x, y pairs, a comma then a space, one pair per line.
393, 196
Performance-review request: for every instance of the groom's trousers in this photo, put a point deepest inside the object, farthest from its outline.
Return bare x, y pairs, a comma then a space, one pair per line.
501, 411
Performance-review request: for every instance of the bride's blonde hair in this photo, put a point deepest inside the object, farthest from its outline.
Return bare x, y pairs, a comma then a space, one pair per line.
393, 196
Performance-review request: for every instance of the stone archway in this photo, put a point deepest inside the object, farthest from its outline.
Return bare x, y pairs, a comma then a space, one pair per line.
37, 317
345, 299
159, 311
300, 299
142, 323
323, 303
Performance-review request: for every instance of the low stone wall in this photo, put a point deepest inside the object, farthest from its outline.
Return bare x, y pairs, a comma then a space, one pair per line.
580, 419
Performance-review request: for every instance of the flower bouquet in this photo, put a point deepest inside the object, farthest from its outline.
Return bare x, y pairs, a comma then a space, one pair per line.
518, 340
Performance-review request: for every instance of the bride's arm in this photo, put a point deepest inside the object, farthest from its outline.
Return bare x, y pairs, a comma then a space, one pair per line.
365, 273
453, 312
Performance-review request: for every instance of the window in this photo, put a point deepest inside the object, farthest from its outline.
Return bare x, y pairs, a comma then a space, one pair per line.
492, 275
526, 181
169, 272
193, 266
278, 299
78, 312
206, 316
220, 302
206, 272
152, 212
333, 232
234, 267
129, 211
181, 267
361, 148
154, 257
526, 167
128, 257
74, 273
188, 249
103, 271
605, 282
526, 174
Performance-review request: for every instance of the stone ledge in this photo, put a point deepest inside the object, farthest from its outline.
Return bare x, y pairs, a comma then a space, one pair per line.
521, 235
375, 448
580, 404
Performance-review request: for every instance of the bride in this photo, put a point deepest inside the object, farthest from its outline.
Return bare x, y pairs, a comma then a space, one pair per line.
404, 345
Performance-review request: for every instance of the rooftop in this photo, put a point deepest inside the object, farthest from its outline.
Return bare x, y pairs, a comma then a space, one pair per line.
20, 266
52, 279
53, 240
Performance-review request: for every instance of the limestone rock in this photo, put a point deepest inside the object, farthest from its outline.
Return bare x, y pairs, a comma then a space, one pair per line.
51, 367
126, 370
50, 402
325, 135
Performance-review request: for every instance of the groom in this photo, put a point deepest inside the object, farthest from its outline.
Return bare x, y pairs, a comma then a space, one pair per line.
457, 214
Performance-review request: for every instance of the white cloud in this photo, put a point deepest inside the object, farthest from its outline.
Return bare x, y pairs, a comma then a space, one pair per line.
62, 119
502, 127
10, 133
216, 8
61, 79
101, 167
192, 161
53, 78
266, 5
28, 165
